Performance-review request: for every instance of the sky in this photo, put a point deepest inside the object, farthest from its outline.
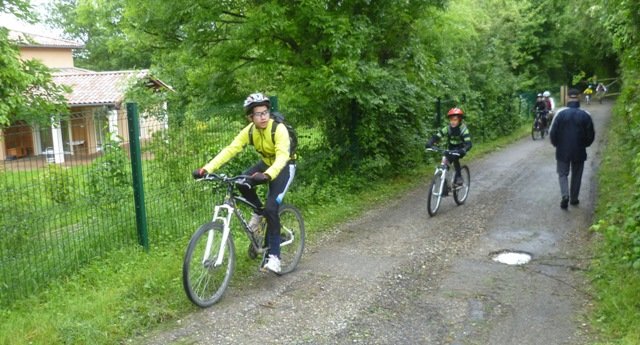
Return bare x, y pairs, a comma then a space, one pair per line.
9, 21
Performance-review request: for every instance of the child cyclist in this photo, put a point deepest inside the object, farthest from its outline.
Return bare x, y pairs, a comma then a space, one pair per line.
458, 140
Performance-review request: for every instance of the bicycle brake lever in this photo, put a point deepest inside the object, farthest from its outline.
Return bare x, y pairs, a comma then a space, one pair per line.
245, 182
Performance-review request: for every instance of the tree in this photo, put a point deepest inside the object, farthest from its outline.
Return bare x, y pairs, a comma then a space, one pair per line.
366, 72
27, 91
99, 25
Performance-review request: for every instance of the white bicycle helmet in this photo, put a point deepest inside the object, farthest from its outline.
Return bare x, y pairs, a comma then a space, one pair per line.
254, 100
546, 94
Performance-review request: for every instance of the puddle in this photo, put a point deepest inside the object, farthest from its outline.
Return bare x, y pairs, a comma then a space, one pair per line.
511, 257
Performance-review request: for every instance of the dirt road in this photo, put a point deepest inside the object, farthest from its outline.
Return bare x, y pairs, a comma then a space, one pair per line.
398, 276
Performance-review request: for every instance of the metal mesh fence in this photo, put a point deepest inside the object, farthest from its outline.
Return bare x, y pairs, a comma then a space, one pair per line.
67, 194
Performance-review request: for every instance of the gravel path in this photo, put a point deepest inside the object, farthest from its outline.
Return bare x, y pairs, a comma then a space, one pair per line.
397, 276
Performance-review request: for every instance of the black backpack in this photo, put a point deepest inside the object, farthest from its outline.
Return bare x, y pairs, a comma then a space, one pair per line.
278, 118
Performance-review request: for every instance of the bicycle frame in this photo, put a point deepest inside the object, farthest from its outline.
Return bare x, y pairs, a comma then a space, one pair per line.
444, 169
208, 266
223, 213
447, 177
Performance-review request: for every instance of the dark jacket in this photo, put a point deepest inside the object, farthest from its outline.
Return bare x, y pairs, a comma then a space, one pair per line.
540, 106
457, 137
571, 133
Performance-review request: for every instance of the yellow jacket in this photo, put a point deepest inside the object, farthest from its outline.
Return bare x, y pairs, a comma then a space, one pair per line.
274, 154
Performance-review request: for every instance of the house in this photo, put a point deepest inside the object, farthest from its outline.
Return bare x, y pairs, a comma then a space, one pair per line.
95, 103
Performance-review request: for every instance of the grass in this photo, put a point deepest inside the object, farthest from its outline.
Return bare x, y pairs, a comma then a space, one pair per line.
131, 291
617, 308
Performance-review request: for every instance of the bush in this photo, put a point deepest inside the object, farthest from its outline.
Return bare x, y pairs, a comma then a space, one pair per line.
109, 178
58, 184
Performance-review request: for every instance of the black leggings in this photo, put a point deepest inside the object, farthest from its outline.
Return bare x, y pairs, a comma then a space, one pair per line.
455, 160
277, 189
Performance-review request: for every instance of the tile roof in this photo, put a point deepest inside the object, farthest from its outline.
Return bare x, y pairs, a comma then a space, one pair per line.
100, 88
31, 40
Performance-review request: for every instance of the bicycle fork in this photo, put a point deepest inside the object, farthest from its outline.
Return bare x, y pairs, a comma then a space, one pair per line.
442, 170
225, 233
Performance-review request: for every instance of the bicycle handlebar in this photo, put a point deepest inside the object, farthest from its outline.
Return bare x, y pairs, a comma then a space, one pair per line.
239, 179
443, 151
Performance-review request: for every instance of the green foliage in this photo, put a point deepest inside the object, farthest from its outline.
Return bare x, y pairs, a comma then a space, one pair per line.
59, 184
367, 75
616, 271
26, 89
16, 220
99, 24
109, 178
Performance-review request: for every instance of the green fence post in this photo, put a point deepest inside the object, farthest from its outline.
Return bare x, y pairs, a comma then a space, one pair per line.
274, 103
136, 174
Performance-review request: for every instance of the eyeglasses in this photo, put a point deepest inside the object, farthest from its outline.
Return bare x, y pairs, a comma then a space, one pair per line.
261, 113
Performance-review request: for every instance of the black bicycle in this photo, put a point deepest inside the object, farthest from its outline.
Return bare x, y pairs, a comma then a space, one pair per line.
210, 258
538, 128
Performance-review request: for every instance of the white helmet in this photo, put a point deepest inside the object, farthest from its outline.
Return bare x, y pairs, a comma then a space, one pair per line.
546, 93
254, 100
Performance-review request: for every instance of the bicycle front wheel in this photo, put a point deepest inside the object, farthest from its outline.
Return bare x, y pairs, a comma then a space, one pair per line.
435, 193
208, 266
292, 238
536, 131
460, 193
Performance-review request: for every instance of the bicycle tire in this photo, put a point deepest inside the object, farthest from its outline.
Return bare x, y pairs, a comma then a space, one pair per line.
461, 193
536, 131
292, 238
435, 193
203, 283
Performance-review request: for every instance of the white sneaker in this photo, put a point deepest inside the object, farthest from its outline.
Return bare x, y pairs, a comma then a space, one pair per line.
254, 223
273, 264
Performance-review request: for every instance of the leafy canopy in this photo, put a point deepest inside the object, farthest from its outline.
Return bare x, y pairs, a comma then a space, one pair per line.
27, 91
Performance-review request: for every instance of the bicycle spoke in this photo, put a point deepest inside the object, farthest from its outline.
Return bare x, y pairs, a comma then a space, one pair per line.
204, 279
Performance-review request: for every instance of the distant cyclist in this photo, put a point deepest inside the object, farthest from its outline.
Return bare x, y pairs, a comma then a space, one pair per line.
587, 94
551, 105
458, 140
540, 110
600, 91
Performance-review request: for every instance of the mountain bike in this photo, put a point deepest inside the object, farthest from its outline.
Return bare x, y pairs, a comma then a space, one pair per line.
538, 128
443, 182
210, 258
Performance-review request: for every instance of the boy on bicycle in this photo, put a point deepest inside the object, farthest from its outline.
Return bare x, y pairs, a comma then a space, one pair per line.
458, 140
276, 167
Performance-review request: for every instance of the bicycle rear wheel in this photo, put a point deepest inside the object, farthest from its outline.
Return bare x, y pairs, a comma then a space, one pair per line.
460, 193
292, 238
203, 278
435, 193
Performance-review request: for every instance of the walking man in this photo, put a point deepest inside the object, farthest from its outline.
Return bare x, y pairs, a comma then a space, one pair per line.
571, 133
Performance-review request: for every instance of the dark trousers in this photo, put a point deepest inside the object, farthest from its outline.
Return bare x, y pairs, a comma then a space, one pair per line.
277, 189
563, 169
455, 160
